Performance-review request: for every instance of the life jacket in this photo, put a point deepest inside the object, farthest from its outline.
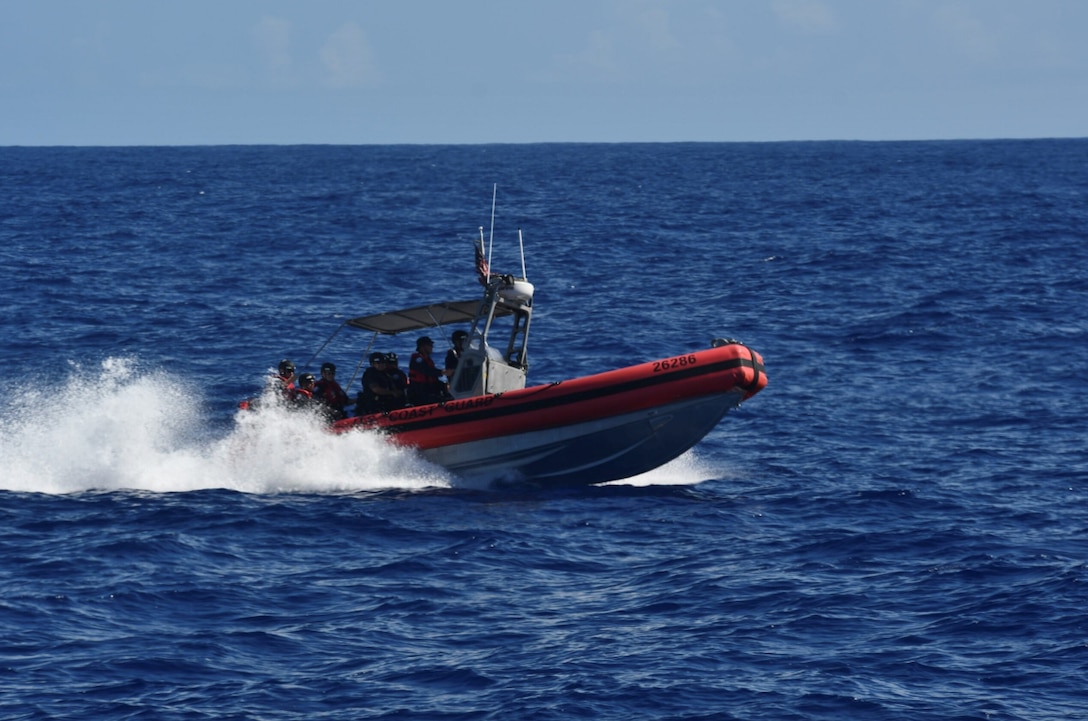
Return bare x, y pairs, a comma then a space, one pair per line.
285, 387
422, 370
331, 393
424, 381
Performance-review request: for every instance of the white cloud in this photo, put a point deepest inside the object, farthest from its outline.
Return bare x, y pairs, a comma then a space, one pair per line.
349, 59
272, 39
809, 16
654, 22
637, 35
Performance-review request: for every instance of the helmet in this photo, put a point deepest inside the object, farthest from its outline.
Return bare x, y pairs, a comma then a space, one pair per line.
306, 379
286, 367
390, 357
459, 335
328, 367
377, 357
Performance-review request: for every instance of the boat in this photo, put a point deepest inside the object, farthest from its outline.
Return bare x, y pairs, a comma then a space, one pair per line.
492, 428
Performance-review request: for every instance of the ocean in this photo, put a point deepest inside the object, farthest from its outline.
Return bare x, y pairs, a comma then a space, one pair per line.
895, 528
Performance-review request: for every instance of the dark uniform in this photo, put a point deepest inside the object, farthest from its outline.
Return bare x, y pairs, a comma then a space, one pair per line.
329, 392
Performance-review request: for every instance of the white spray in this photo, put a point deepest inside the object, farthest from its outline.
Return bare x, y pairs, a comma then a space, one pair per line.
115, 427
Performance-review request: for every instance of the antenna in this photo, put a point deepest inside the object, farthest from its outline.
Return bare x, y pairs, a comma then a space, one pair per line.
521, 245
491, 239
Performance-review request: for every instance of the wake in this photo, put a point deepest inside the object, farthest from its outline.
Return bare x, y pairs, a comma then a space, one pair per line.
116, 427
119, 428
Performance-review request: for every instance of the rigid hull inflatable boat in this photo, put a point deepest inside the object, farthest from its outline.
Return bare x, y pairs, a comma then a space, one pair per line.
586, 430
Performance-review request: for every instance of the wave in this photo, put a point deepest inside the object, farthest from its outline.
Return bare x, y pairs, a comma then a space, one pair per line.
119, 427
687, 470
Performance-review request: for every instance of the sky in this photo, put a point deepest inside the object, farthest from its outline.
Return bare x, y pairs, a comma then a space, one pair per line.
210, 72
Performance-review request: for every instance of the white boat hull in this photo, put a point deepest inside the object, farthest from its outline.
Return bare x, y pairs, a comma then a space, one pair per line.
597, 451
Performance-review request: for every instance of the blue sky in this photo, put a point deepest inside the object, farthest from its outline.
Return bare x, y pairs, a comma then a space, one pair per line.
151, 72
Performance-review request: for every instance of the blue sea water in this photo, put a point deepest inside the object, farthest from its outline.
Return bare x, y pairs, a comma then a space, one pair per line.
896, 528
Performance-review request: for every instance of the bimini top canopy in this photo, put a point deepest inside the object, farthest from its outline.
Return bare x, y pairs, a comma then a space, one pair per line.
424, 316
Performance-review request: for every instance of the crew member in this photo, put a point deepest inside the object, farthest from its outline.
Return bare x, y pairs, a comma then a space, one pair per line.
424, 379
399, 379
453, 355
284, 382
377, 393
305, 391
329, 392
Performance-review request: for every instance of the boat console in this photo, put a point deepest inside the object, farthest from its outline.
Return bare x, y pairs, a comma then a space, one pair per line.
495, 355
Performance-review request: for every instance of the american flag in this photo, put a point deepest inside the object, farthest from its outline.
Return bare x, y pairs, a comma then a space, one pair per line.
483, 270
